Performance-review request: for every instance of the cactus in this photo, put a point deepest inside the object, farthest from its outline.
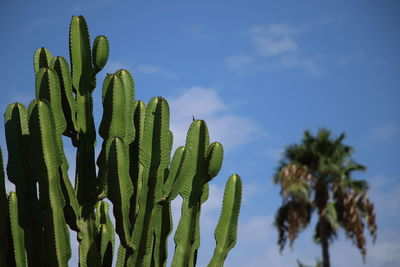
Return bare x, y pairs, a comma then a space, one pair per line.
135, 171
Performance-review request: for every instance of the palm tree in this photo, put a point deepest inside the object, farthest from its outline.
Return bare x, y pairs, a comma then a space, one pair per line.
315, 177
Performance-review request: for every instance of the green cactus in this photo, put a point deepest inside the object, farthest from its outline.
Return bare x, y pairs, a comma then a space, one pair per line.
135, 171
225, 232
105, 234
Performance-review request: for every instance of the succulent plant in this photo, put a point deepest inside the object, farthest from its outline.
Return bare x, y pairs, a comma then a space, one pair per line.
135, 171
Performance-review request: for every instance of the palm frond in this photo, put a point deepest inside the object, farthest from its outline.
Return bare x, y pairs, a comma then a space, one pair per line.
291, 218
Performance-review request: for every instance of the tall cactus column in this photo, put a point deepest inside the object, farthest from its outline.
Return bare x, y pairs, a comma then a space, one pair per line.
83, 82
20, 173
205, 163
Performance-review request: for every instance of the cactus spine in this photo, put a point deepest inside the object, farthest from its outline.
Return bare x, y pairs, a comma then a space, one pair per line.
136, 173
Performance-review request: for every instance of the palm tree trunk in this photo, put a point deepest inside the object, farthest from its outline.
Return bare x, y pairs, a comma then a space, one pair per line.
324, 242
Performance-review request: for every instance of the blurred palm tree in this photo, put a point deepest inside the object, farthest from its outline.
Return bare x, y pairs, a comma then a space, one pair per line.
315, 177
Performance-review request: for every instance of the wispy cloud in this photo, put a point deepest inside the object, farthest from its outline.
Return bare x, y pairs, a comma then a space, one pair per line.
155, 70
274, 47
275, 39
384, 132
204, 103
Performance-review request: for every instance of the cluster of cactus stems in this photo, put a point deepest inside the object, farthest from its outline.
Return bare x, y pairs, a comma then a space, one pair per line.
135, 171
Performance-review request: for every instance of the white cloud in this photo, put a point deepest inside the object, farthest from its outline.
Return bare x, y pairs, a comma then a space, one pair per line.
204, 103
274, 47
197, 101
295, 61
275, 39
150, 69
271, 47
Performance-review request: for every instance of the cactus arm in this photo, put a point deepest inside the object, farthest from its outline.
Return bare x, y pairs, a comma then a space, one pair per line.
162, 229
135, 171
154, 157
105, 234
184, 235
135, 168
214, 158
17, 132
17, 135
41, 59
122, 256
83, 83
155, 146
80, 54
129, 88
226, 230
102, 173
71, 210
119, 186
88, 251
112, 123
178, 171
100, 52
105, 246
60, 65
163, 223
187, 234
113, 120
197, 142
85, 177
17, 232
48, 88
47, 153
3, 215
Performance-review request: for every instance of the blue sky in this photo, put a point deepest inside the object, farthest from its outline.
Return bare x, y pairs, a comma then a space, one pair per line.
259, 73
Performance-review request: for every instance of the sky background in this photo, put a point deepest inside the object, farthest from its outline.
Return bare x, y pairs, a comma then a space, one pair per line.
259, 73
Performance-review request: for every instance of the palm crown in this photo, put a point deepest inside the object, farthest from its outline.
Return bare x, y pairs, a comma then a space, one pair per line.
316, 176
